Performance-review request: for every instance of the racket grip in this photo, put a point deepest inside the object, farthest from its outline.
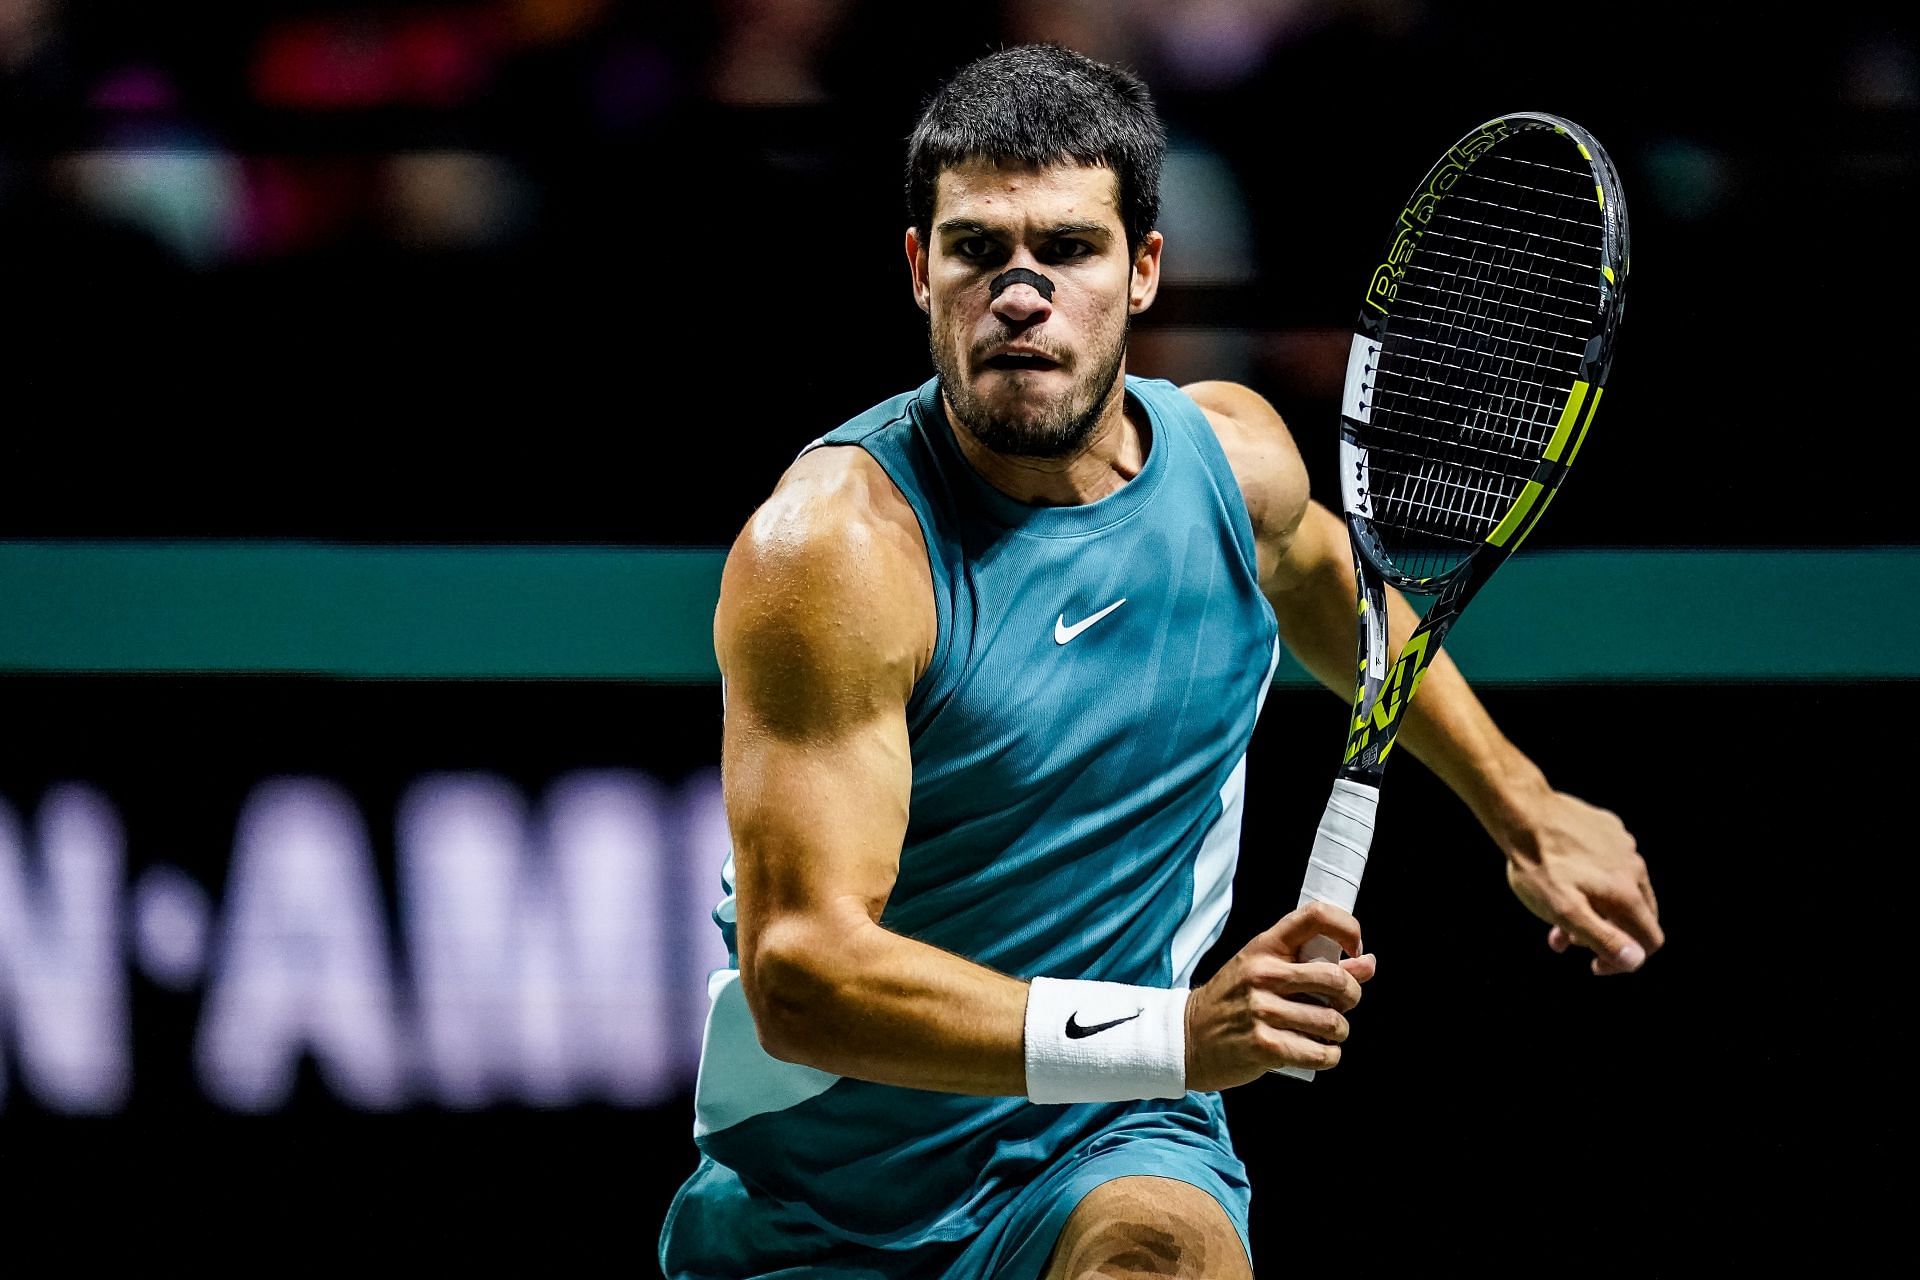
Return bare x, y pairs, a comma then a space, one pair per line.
1335, 866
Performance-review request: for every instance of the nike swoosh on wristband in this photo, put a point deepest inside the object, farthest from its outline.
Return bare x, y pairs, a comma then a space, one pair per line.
1077, 1032
1063, 633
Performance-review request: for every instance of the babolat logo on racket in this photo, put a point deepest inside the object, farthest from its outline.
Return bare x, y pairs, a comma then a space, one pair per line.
1384, 287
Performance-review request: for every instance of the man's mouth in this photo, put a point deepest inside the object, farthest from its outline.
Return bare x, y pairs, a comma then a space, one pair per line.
1010, 361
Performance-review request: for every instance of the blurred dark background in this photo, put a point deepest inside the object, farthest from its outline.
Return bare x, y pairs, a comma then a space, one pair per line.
587, 272
506, 270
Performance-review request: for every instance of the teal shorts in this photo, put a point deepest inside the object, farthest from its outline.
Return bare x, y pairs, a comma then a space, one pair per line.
719, 1226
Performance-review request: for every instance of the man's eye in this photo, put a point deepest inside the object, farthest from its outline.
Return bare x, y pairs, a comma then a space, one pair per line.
974, 247
1067, 250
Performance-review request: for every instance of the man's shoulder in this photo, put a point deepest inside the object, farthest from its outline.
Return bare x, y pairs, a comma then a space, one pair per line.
837, 497
1261, 452
833, 498
830, 573
834, 528
1243, 419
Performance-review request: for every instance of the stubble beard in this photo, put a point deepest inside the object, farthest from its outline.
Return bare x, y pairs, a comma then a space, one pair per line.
1060, 430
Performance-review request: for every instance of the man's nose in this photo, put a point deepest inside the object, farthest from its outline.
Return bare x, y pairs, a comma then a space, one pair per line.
1022, 306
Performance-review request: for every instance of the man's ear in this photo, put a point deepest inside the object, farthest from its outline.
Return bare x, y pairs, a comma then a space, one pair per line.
1144, 285
917, 264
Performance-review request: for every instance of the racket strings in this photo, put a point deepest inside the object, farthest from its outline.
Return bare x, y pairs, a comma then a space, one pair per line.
1484, 339
1545, 393
1547, 293
1440, 501
1439, 496
1517, 398
1573, 224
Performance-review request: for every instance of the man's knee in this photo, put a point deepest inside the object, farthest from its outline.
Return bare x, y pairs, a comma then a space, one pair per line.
1141, 1227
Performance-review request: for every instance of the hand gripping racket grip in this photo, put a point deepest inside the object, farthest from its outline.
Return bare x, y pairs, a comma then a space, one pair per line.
1334, 867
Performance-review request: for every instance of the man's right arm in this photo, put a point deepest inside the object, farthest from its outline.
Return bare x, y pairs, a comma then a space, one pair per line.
826, 620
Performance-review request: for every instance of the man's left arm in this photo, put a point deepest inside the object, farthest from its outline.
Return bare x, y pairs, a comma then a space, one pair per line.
1574, 865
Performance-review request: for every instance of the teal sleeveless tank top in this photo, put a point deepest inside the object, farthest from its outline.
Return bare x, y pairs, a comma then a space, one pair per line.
1079, 744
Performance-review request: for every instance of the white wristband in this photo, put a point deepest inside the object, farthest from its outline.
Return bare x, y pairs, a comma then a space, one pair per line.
1105, 1041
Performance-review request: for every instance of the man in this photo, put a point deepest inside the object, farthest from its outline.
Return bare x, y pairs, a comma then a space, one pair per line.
993, 652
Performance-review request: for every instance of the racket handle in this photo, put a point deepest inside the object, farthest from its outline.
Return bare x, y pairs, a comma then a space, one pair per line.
1335, 866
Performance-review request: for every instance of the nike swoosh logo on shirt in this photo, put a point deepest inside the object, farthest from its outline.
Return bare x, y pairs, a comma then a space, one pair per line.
1063, 633
1077, 1032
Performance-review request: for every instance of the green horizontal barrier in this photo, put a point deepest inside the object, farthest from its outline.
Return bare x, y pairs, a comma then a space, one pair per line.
606, 613
399, 612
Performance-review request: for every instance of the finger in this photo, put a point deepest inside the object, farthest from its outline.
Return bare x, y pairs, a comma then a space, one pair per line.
1625, 905
1652, 914
1316, 980
1285, 1048
1313, 920
1361, 967
1315, 1021
1557, 939
1302, 1014
1603, 964
1601, 936
1632, 911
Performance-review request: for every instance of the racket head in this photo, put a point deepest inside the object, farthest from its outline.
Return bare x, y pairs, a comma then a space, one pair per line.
1484, 340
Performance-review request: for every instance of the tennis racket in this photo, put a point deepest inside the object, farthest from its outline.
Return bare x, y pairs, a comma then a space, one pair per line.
1484, 340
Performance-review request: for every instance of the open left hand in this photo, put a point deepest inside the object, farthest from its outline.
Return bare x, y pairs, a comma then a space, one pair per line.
1577, 868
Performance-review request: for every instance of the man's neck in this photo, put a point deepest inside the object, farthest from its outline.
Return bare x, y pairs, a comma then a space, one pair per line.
1113, 455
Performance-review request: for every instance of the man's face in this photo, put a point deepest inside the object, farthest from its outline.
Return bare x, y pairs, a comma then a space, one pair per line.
1025, 374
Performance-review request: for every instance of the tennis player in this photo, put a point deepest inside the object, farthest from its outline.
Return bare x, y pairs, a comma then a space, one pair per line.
992, 652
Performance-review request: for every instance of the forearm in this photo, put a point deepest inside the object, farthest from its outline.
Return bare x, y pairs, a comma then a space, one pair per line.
1446, 727
861, 1001
1574, 865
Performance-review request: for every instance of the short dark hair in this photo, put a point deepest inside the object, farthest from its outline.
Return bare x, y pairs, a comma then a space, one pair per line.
1040, 104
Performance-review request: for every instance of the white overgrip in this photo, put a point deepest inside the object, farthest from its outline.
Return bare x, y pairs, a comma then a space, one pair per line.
1340, 845
1335, 866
